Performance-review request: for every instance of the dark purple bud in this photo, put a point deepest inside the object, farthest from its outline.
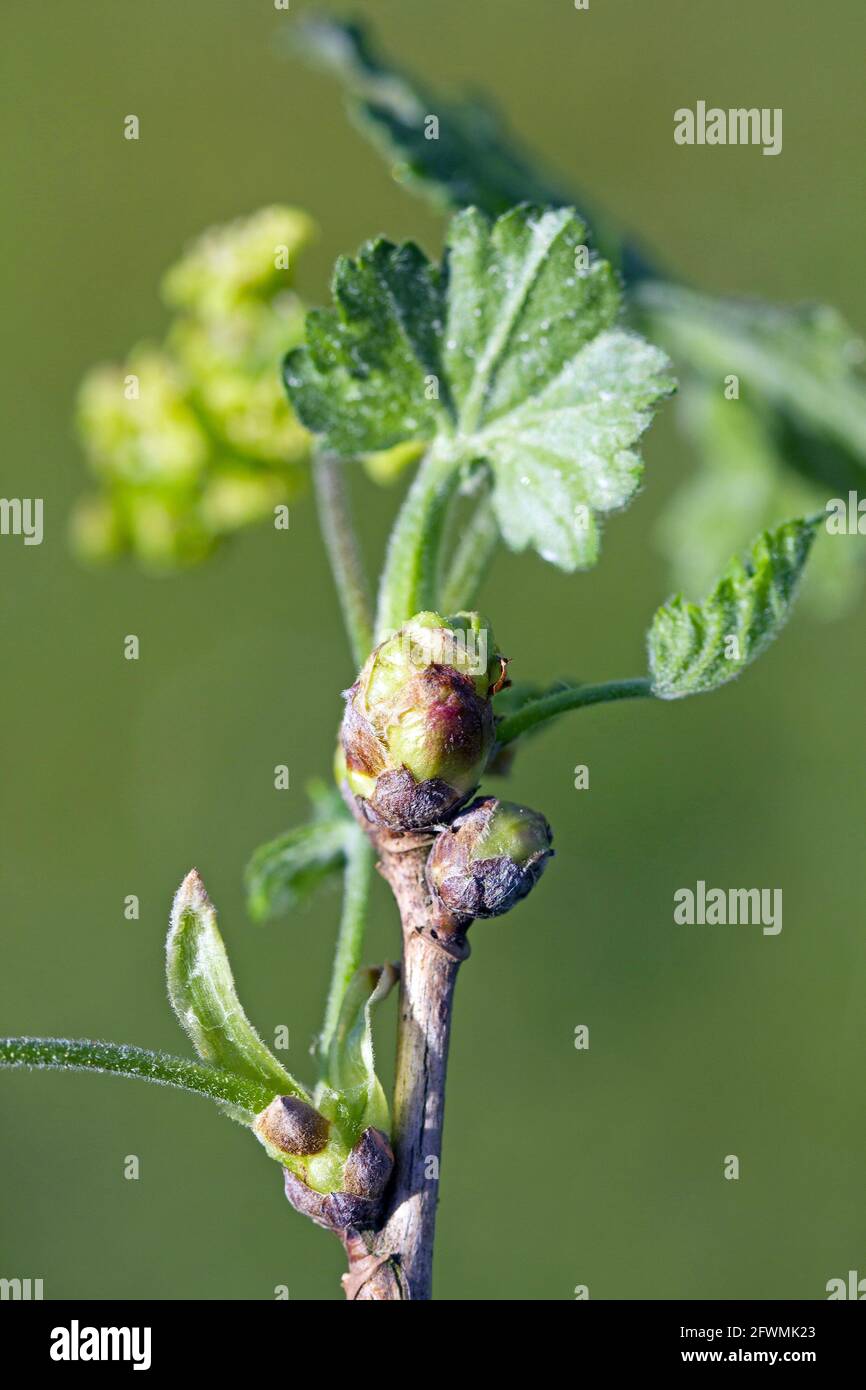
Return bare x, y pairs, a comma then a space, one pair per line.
489, 858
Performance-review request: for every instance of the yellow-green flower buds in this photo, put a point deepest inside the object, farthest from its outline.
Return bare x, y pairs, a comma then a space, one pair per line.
489, 858
252, 258
418, 727
195, 439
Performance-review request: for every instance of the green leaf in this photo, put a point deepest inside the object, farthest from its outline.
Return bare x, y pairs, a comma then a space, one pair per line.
284, 872
245, 1096
476, 161
805, 360
508, 353
695, 648
360, 858
351, 1065
752, 474
203, 995
799, 366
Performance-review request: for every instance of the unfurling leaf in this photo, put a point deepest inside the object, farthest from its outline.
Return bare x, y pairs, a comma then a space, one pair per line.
203, 995
507, 354
697, 647
351, 1064
284, 872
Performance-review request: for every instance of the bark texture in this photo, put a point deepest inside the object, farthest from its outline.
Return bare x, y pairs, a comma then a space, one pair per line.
394, 1260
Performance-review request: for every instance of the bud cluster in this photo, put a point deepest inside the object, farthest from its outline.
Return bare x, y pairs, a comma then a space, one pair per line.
418, 727
417, 735
192, 439
296, 1131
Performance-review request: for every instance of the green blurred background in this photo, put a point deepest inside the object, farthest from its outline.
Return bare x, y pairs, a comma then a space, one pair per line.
561, 1167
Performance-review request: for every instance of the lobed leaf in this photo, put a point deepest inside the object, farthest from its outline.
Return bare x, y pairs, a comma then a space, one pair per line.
507, 353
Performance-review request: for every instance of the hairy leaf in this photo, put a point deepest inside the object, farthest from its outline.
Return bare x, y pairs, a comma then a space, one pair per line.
284, 872
799, 380
697, 647
752, 474
203, 995
351, 1065
805, 360
474, 160
243, 1095
508, 353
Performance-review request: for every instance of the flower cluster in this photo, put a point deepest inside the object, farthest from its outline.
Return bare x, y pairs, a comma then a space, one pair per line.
193, 439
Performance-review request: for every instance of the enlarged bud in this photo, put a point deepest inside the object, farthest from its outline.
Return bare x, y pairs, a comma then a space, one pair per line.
418, 726
357, 1203
489, 858
369, 1165
293, 1127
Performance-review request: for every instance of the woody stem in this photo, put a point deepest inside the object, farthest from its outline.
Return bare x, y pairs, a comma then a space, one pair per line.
433, 947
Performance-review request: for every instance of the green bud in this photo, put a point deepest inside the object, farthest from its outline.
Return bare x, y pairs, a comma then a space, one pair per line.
418, 727
95, 530
249, 259
229, 364
138, 424
195, 439
489, 858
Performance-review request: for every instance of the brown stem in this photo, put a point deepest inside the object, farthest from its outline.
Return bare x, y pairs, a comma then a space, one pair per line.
395, 1261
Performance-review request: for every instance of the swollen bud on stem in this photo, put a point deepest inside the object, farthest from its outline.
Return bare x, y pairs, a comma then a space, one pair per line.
489, 858
418, 727
293, 1127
